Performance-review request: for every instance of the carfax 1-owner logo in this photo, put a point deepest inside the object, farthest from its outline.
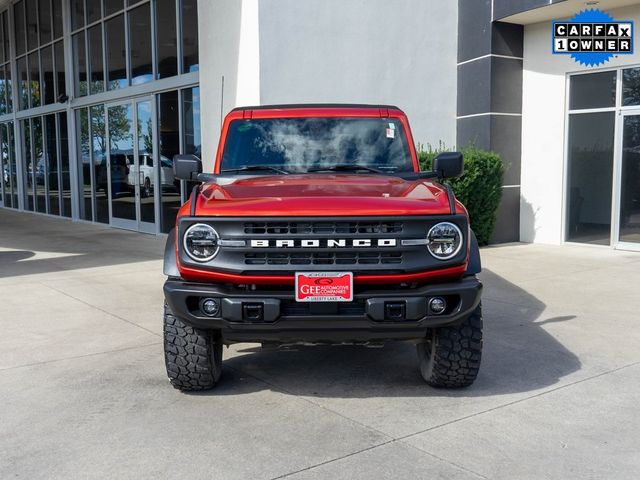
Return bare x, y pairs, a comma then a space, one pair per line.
592, 37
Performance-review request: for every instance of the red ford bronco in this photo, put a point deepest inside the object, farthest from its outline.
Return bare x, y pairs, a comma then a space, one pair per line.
317, 226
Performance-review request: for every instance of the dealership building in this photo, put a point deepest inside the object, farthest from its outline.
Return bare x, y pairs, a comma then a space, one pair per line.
97, 96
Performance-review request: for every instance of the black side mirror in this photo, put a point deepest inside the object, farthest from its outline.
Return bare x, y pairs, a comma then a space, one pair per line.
186, 167
449, 165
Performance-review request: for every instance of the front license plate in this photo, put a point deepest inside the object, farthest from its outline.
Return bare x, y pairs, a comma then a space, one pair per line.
324, 286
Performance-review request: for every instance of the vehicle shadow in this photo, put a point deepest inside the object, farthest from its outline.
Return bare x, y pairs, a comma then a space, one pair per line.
519, 356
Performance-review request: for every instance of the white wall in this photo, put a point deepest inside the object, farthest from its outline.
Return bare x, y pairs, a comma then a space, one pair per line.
219, 46
400, 52
544, 129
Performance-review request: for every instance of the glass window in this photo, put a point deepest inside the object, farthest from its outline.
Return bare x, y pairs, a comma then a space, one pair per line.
3, 39
146, 170
169, 128
60, 72
629, 225
8, 152
631, 86
63, 139
34, 79
3, 96
112, 6
593, 90
39, 162
590, 177
21, 65
80, 64
121, 147
84, 164
189, 36
191, 120
77, 14
95, 59
27, 164
8, 87
93, 11
140, 41
99, 158
5, 167
32, 23
20, 28
299, 145
45, 21
166, 38
57, 19
5, 36
48, 75
51, 148
116, 60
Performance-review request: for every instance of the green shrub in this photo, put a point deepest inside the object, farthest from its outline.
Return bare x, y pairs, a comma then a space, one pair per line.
479, 189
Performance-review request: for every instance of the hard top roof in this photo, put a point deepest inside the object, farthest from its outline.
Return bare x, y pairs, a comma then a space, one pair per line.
314, 105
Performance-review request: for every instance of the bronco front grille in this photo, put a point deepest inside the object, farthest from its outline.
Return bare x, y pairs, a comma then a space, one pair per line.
326, 228
367, 245
324, 258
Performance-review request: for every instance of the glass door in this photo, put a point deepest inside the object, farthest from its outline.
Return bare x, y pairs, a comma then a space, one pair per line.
627, 228
132, 165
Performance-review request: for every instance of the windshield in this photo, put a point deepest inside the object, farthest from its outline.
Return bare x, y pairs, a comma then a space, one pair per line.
297, 145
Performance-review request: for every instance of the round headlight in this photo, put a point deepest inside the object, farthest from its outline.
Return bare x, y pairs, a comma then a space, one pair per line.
201, 242
444, 240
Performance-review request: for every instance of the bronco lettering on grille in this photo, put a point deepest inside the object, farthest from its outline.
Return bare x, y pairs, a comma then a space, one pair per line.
325, 243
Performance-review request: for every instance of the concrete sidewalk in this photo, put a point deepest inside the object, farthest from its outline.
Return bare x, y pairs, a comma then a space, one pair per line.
83, 391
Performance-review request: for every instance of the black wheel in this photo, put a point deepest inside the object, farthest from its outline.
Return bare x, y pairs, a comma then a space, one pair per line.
193, 357
450, 356
146, 189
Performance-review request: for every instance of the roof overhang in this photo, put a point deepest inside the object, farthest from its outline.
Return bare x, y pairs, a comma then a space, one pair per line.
564, 9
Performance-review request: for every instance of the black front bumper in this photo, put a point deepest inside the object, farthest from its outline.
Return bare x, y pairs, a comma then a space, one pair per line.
275, 316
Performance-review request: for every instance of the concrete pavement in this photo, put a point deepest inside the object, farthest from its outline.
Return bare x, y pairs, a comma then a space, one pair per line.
83, 391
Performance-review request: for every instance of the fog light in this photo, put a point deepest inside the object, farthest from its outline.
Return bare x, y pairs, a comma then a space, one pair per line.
437, 305
210, 306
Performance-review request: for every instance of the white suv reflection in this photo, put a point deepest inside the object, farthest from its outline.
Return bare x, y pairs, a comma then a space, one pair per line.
147, 174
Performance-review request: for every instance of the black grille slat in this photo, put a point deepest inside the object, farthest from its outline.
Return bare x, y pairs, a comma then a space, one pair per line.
290, 307
323, 258
322, 228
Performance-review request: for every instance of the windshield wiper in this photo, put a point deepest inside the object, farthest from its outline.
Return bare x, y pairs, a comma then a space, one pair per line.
250, 168
346, 168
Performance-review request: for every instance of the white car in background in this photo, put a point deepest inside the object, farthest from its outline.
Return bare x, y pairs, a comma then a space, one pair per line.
147, 174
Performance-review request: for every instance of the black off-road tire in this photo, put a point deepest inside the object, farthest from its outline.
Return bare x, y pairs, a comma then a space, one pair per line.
193, 357
450, 356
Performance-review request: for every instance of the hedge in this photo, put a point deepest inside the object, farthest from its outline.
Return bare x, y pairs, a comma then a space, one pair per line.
479, 189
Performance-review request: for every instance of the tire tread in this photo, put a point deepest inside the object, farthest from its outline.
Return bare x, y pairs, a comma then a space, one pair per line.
456, 356
193, 357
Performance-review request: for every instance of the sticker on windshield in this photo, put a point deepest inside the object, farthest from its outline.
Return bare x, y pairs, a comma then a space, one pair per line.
391, 133
392, 126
